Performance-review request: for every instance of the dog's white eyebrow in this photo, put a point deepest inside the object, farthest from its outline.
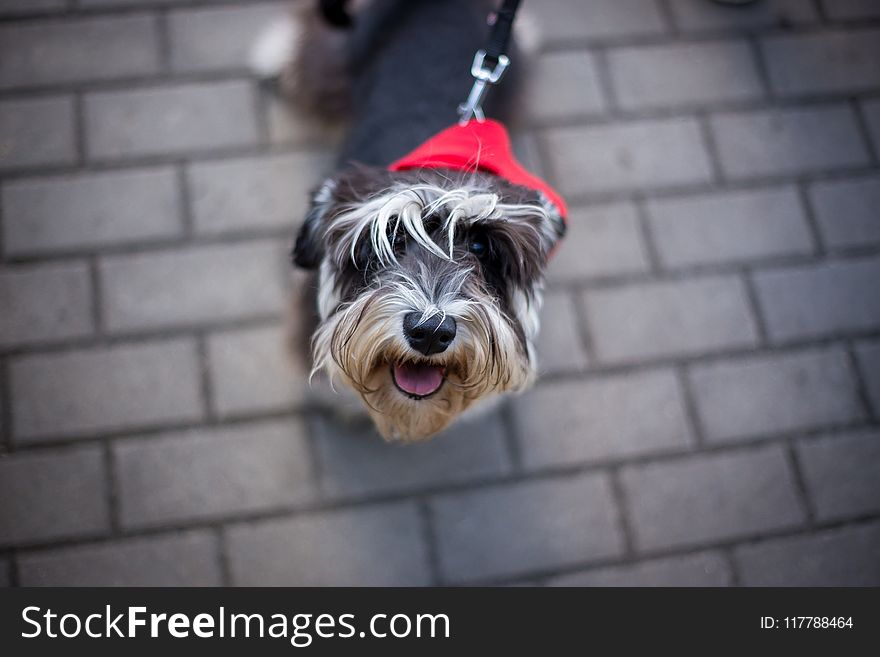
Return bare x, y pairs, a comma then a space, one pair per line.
409, 206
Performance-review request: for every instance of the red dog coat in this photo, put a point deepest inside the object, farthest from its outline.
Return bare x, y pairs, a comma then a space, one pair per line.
477, 145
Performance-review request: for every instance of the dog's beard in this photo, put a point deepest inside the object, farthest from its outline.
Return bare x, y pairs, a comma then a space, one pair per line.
362, 344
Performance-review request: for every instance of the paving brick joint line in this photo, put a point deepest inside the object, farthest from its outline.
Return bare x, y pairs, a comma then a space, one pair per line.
709, 406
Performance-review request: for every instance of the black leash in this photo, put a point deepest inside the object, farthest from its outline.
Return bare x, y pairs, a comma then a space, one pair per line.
502, 25
490, 62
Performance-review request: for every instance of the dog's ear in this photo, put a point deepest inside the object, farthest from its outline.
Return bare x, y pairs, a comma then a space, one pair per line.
308, 250
556, 228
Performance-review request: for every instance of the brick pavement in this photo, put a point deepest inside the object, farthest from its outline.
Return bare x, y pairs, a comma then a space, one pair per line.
709, 406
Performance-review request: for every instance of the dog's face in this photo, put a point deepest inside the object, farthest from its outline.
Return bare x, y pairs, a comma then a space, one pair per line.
429, 290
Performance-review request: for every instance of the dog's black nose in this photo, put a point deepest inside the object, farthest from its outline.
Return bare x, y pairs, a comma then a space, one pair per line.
432, 336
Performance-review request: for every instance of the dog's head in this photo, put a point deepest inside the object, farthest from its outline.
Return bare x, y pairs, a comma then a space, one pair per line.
429, 289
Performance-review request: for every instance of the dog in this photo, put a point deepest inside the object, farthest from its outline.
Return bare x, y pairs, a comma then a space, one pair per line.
429, 274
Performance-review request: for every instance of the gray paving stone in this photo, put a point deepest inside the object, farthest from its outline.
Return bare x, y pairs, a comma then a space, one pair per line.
838, 557
562, 85
212, 472
827, 62
252, 370
36, 132
602, 240
357, 462
288, 124
729, 227
651, 154
80, 49
184, 559
244, 194
526, 149
711, 498
77, 393
684, 74
170, 119
697, 15
700, 569
14, 7
89, 210
51, 495
813, 300
841, 474
218, 38
660, 319
187, 286
846, 211
788, 141
759, 395
851, 9
869, 365
131, 109
608, 418
559, 346
871, 110
369, 546
43, 303
124, 3
599, 19
528, 526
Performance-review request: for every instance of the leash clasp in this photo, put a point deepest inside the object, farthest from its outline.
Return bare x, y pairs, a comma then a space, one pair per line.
483, 77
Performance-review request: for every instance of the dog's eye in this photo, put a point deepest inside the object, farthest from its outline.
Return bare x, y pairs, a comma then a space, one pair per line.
478, 247
398, 245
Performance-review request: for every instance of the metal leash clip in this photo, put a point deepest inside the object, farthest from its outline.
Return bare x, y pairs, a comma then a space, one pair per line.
483, 77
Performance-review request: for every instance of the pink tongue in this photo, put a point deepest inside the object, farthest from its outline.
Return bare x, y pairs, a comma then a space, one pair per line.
418, 379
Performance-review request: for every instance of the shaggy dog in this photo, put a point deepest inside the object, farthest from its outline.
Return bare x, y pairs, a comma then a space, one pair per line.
429, 271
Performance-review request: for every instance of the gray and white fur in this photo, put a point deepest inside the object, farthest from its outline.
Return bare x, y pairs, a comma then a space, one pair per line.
428, 281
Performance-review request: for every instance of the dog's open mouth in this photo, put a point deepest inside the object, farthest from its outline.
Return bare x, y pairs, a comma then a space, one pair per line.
417, 380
